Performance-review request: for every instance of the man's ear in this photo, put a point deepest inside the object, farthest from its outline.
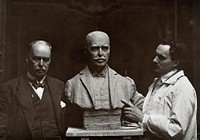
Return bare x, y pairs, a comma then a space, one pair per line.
27, 60
176, 63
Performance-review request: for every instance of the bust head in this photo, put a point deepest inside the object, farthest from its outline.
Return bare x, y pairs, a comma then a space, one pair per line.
97, 49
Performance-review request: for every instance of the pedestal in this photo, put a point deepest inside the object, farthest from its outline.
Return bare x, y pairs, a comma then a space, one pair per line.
101, 119
122, 132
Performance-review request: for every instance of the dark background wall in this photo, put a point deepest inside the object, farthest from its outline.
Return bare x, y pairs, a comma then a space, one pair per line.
134, 26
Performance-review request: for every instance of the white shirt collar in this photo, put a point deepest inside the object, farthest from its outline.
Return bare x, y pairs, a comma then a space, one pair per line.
168, 75
33, 78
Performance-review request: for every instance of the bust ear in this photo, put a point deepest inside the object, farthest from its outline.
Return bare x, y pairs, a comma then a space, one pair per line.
85, 50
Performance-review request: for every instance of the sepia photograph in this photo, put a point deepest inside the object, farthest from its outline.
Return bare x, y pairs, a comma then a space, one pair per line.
99, 69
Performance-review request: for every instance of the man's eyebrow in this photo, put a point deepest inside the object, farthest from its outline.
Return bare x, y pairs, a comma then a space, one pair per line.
161, 56
100, 46
41, 56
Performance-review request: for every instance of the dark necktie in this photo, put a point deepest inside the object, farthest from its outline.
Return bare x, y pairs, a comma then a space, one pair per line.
37, 85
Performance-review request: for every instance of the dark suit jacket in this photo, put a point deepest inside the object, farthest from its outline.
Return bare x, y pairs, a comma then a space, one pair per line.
16, 112
80, 95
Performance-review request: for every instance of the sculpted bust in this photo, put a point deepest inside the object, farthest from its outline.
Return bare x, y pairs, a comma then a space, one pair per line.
97, 90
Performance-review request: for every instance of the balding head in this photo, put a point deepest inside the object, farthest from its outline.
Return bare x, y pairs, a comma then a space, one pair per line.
39, 58
39, 43
97, 35
97, 49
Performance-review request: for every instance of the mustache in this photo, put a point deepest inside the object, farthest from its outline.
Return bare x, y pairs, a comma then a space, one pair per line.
41, 69
155, 63
100, 58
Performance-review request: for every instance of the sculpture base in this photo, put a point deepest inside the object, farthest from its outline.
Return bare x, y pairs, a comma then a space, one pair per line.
122, 131
102, 119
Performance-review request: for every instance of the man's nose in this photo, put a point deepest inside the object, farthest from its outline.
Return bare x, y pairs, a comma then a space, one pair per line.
155, 60
41, 62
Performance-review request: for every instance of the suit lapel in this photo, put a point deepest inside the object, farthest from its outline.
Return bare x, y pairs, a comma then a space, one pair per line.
112, 80
24, 98
56, 98
85, 78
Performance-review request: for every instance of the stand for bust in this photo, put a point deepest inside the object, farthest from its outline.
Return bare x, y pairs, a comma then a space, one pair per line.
123, 133
101, 124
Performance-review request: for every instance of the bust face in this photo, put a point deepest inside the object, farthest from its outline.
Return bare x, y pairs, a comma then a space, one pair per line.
98, 49
39, 59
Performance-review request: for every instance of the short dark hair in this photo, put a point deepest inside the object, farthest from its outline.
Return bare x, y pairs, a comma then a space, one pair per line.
176, 49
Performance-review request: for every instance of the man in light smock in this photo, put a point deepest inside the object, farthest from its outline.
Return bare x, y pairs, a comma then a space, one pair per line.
170, 107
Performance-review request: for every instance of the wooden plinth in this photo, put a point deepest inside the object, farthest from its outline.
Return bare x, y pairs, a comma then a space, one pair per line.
102, 119
122, 131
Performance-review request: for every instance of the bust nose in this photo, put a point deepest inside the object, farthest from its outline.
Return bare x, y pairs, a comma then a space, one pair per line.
100, 52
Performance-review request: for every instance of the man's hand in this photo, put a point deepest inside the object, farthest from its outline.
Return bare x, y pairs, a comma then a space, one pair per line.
131, 112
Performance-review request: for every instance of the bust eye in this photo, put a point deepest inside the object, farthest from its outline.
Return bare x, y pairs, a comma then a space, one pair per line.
94, 48
104, 48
